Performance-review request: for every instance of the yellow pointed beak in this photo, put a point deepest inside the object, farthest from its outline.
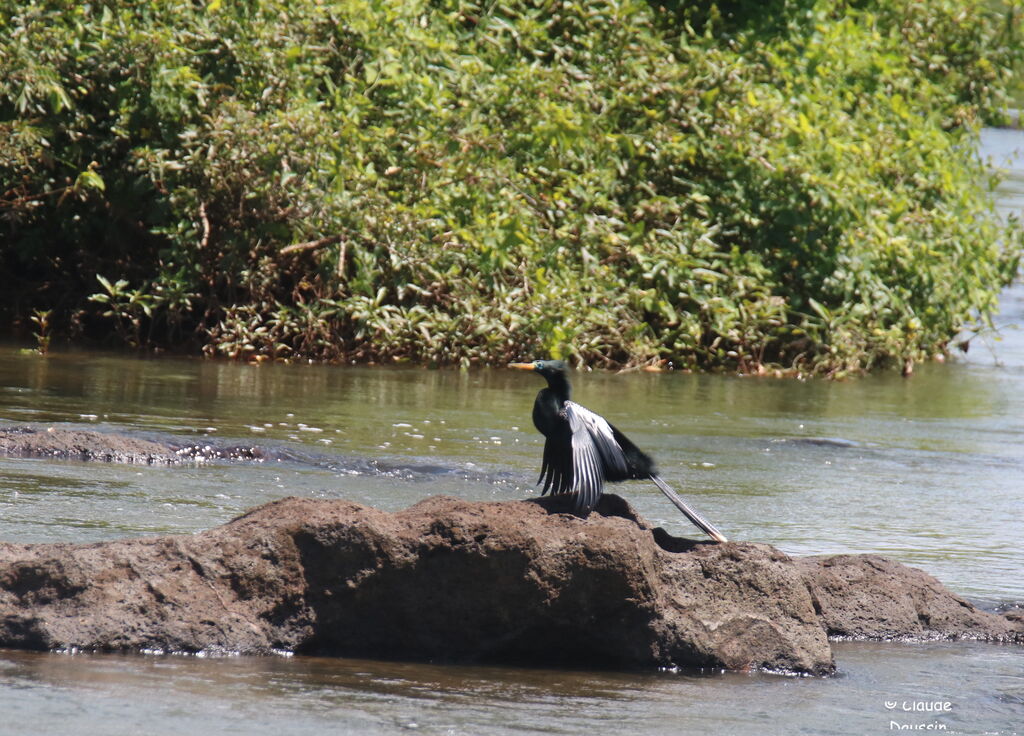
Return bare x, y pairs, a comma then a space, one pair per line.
521, 366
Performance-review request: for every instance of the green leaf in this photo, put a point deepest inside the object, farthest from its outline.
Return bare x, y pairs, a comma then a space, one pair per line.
89, 179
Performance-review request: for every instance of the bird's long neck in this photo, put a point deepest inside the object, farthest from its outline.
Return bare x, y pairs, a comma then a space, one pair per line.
558, 385
548, 415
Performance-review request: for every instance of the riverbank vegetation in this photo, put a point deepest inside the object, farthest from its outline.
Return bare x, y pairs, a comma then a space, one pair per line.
734, 185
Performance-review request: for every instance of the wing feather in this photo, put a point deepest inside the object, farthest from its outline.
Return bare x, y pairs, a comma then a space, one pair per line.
602, 435
594, 452
582, 457
556, 467
612, 459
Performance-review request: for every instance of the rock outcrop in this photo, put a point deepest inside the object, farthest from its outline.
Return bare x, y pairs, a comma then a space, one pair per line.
71, 444
872, 597
452, 580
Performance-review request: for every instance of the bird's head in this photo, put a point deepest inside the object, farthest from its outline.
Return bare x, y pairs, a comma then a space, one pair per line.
555, 370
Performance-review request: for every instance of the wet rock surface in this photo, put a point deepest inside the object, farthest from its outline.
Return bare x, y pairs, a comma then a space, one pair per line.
61, 443
71, 444
451, 580
67, 444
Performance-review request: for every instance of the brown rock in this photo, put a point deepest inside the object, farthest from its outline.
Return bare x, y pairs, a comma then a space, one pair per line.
445, 580
871, 597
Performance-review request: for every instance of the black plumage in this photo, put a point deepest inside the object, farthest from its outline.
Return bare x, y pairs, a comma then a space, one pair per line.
582, 449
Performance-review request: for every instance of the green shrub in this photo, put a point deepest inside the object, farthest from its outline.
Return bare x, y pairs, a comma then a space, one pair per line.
732, 185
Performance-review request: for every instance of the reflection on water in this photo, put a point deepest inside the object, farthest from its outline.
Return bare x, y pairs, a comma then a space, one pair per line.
926, 470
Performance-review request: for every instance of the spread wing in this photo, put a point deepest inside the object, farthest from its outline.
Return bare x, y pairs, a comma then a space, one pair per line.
580, 455
596, 454
556, 467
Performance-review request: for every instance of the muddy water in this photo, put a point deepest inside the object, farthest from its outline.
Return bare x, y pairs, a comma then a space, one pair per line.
926, 470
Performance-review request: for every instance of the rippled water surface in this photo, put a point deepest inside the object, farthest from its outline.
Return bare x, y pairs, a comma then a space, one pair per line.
927, 470
110, 695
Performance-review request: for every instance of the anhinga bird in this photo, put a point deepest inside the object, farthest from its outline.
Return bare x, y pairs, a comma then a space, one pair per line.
583, 450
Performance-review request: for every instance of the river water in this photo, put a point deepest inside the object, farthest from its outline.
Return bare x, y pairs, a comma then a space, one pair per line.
927, 470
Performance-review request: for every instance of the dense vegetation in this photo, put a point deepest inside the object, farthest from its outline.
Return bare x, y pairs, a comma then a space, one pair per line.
731, 184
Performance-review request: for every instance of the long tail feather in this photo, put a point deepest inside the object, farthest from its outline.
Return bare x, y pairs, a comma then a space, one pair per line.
691, 513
